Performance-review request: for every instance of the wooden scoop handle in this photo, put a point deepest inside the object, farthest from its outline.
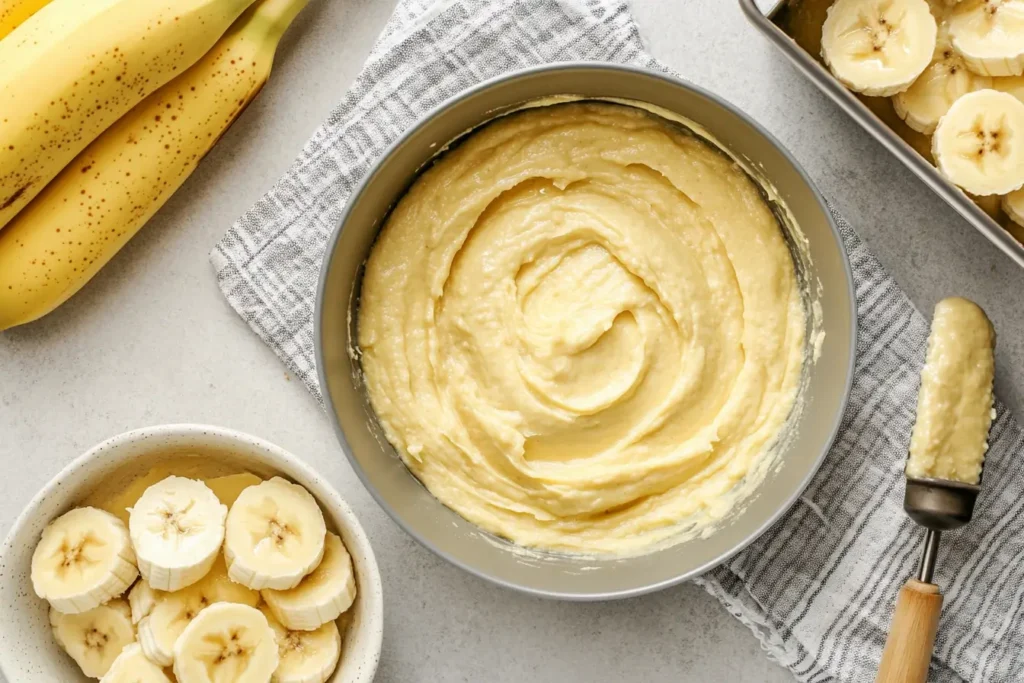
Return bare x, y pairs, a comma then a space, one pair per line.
908, 650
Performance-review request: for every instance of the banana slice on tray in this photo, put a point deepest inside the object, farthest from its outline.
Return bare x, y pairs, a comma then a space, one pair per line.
171, 613
305, 656
990, 35
878, 47
177, 527
226, 642
84, 558
320, 597
945, 81
95, 638
275, 535
1013, 205
132, 666
979, 143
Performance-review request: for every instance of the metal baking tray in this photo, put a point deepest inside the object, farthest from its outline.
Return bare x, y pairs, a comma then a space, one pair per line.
766, 16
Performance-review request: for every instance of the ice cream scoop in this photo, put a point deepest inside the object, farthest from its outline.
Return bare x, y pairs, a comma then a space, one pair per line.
947, 452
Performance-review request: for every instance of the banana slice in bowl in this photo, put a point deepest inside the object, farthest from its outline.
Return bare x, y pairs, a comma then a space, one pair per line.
878, 47
132, 666
305, 656
275, 535
141, 600
979, 143
320, 597
176, 528
226, 642
95, 638
83, 559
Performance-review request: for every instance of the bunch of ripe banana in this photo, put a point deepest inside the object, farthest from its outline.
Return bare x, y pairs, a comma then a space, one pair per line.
106, 107
954, 71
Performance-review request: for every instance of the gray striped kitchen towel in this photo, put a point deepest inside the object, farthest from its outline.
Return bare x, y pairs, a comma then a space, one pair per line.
817, 589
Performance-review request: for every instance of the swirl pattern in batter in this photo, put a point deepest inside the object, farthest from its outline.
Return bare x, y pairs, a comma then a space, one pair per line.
582, 330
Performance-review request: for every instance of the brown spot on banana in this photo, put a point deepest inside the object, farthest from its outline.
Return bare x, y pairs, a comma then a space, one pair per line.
16, 195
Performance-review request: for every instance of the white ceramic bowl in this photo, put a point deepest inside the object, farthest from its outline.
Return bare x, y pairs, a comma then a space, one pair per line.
28, 653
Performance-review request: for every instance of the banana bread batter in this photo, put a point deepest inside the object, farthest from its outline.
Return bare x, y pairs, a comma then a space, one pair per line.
582, 330
954, 405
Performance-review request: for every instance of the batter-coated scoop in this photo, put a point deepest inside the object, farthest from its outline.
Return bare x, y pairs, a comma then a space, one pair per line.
947, 451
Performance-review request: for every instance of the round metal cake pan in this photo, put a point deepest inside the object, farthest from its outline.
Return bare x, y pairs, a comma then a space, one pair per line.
822, 262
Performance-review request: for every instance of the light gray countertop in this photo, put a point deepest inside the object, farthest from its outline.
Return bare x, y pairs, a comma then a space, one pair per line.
151, 341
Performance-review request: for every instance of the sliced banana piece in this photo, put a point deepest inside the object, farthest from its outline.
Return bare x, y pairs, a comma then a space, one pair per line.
84, 558
322, 596
945, 81
172, 612
275, 535
132, 666
1013, 205
95, 638
989, 34
177, 527
979, 143
142, 599
305, 656
226, 642
878, 47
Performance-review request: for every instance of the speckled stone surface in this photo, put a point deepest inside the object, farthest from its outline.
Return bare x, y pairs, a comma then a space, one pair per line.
151, 341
